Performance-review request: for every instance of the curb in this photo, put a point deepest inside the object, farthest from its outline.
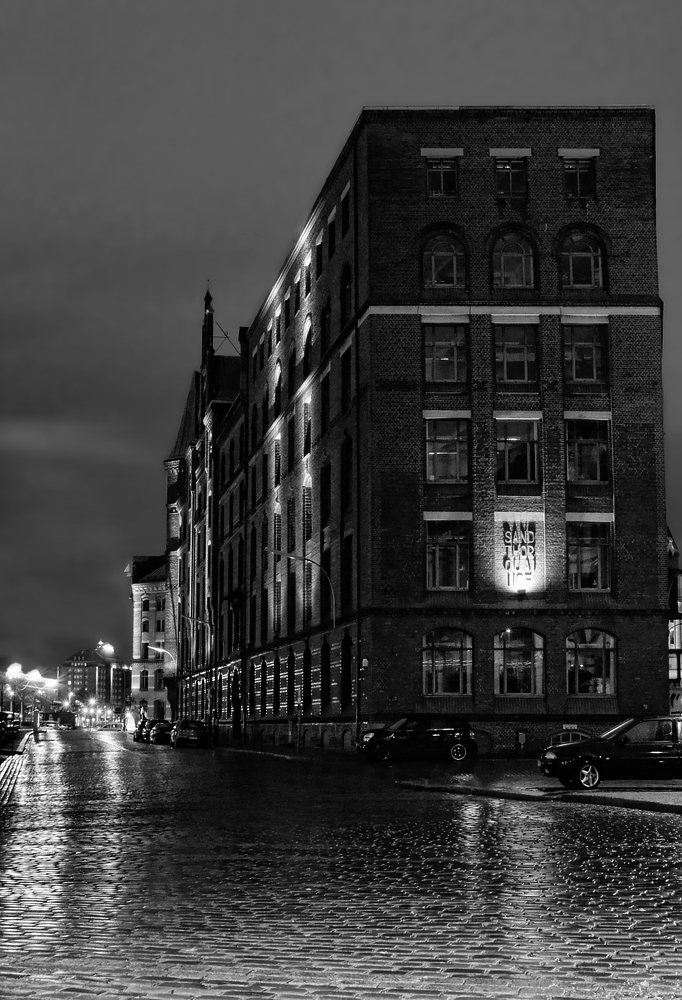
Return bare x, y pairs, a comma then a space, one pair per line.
560, 796
11, 768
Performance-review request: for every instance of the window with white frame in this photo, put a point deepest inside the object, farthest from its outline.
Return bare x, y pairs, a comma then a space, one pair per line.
447, 662
579, 177
443, 264
445, 352
516, 353
589, 545
519, 662
518, 458
581, 261
447, 450
513, 265
510, 177
448, 547
590, 662
441, 177
585, 354
587, 451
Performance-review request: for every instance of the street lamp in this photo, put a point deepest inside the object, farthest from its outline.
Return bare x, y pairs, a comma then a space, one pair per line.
160, 649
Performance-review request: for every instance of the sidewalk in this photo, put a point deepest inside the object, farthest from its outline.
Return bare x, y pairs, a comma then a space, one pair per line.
11, 762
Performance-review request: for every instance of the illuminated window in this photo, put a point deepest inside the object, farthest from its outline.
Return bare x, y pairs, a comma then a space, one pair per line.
519, 662
448, 545
518, 459
581, 262
291, 524
510, 177
513, 263
589, 555
325, 675
291, 682
441, 178
590, 662
443, 263
276, 686
579, 178
446, 662
263, 687
447, 451
516, 353
307, 509
278, 462
445, 353
587, 451
585, 354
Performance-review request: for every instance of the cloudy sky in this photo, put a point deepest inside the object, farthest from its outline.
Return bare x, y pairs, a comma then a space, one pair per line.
149, 145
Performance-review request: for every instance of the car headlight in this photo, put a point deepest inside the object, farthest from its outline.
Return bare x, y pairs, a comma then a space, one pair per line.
549, 755
366, 737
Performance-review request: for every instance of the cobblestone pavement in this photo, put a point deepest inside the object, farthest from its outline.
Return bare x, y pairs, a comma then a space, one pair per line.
134, 871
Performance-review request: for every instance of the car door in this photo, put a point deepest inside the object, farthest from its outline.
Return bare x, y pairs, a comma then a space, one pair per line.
410, 737
648, 749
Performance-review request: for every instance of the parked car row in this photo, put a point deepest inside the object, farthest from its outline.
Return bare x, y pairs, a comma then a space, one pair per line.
9, 727
184, 732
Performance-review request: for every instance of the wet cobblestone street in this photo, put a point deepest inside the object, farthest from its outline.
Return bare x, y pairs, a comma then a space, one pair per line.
137, 871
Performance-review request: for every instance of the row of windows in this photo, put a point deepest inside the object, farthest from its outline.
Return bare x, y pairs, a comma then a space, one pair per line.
519, 662
518, 452
160, 604
515, 351
589, 548
160, 625
510, 177
157, 678
581, 255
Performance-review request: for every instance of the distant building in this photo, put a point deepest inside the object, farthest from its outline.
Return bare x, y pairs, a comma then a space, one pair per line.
154, 639
439, 486
92, 676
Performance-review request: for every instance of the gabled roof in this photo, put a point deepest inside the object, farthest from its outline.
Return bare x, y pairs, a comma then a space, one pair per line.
147, 569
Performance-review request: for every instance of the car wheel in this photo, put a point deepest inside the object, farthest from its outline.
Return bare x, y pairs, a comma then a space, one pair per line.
588, 775
457, 751
381, 752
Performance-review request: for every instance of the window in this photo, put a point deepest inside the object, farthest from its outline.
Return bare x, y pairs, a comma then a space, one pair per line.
581, 262
327, 599
325, 676
587, 451
278, 328
306, 279
160, 625
445, 353
158, 680
277, 408
145, 625
291, 524
270, 341
446, 662
346, 473
287, 312
325, 494
443, 263
264, 467
590, 662
516, 353
579, 178
253, 553
347, 572
144, 652
513, 262
331, 236
324, 404
265, 411
307, 592
346, 380
588, 555
261, 355
144, 679
307, 513
319, 257
291, 601
297, 295
291, 444
325, 327
585, 354
448, 544
307, 428
517, 451
278, 462
447, 451
254, 427
277, 535
277, 608
345, 215
275, 685
307, 352
263, 687
510, 177
519, 662
145, 604
346, 297
291, 682
441, 178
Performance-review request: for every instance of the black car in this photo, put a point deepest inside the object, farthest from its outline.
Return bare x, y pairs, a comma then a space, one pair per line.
636, 748
415, 735
160, 732
189, 733
139, 730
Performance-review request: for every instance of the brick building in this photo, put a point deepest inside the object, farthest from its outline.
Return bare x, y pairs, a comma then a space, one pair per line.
441, 486
153, 682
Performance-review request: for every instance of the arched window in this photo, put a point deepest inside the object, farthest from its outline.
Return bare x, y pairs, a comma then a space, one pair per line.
291, 372
158, 679
145, 605
144, 680
443, 263
145, 624
513, 262
519, 662
277, 408
346, 298
446, 661
590, 662
325, 676
307, 349
581, 262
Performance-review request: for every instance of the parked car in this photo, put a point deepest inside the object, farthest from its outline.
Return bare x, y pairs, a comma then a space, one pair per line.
161, 732
636, 748
146, 732
189, 733
138, 730
415, 735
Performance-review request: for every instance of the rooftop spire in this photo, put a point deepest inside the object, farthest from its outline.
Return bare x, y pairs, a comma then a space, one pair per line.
207, 329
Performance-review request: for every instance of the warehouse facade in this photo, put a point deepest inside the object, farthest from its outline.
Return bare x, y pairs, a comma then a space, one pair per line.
441, 488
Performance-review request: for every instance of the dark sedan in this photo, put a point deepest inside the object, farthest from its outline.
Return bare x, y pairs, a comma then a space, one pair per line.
637, 748
189, 733
417, 735
161, 732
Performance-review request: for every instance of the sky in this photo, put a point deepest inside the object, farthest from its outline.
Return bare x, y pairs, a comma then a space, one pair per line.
147, 146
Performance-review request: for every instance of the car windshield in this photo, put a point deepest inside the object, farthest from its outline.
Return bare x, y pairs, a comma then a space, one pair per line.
616, 730
397, 725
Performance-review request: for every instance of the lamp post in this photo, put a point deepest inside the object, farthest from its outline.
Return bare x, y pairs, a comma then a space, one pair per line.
32, 681
307, 559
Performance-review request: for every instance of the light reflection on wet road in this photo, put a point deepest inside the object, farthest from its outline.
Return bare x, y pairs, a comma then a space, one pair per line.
130, 870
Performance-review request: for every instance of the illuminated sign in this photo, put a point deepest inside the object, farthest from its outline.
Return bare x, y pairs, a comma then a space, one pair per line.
519, 558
